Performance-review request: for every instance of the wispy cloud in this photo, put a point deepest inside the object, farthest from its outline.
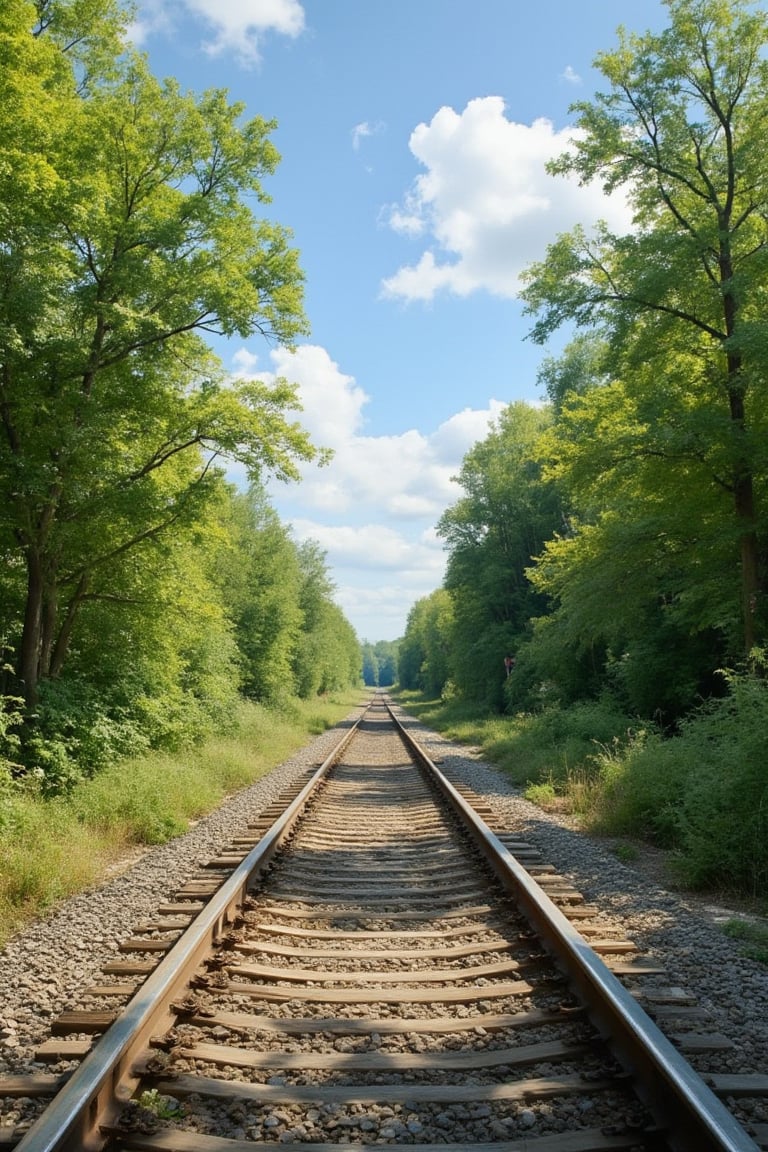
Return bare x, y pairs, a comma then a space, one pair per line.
365, 128
359, 132
237, 27
570, 75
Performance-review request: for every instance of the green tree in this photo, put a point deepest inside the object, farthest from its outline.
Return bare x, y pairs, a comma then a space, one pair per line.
127, 240
492, 533
370, 666
681, 130
424, 655
385, 652
641, 575
581, 366
256, 567
328, 655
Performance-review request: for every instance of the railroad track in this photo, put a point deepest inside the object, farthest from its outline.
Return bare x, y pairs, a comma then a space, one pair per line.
373, 965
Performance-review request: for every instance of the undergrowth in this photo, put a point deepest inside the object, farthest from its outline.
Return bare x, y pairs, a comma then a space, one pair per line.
702, 791
52, 847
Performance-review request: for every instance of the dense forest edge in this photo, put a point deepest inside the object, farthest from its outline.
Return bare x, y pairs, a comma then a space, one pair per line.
163, 637
601, 630
56, 846
144, 596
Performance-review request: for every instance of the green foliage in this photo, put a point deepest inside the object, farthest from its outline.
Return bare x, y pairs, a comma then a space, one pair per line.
424, 651
544, 794
257, 568
139, 592
127, 235
754, 937
11, 718
726, 748
641, 783
370, 666
164, 1107
380, 663
627, 853
703, 791
53, 846
492, 534
678, 435
386, 652
328, 656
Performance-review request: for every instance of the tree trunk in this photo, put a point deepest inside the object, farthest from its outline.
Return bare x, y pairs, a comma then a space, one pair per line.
29, 654
61, 647
750, 566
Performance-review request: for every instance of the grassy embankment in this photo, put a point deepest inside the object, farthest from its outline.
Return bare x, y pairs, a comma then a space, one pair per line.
53, 848
701, 793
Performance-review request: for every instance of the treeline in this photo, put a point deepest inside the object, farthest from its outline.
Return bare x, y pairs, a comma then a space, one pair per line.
380, 663
138, 592
614, 542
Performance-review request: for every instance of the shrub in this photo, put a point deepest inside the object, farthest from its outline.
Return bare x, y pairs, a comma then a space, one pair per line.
10, 742
723, 816
642, 780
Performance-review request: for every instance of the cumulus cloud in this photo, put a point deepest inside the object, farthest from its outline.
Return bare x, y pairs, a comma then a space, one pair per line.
375, 506
374, 546
332, 403
234, 26
407, 476
486, 202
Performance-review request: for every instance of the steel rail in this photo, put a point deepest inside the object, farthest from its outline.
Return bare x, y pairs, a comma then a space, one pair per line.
105, 1080
691, 1116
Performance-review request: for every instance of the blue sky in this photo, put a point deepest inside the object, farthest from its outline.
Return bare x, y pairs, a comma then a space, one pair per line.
414, 136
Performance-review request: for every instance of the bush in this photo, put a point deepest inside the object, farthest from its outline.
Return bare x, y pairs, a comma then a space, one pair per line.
10, 742
723, 816
552, 744
703, 791
641, 782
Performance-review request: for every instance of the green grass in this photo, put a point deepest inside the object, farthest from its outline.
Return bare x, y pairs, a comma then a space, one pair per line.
701, 792
50, 849
753, 935
553, 746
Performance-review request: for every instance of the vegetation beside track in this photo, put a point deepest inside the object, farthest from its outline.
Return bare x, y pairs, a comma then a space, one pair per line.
698, 792
52, 847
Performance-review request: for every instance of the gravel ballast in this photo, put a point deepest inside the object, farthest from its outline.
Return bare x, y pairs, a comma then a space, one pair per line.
46, 968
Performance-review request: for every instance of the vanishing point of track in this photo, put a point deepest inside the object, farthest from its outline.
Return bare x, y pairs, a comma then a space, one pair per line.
374, 965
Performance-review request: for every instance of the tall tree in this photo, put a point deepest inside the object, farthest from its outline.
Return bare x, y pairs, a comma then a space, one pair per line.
127, 240
424, 657
492, 534
385, 652
328, 654
370, 666
258, 571
682, 131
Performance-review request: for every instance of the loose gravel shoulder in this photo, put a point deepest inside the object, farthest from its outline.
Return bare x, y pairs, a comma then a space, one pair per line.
679, 931
44, 970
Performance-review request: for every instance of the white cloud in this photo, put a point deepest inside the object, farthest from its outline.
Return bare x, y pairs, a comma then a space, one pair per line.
235, 26
408, 223
374, 508
454, 438
487, 203
364, 546
570, 75
359, 132
407, 475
